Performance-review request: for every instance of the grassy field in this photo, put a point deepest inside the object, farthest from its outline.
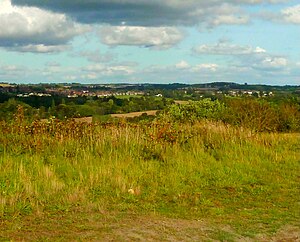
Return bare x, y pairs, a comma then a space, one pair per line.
160, 181
134, 114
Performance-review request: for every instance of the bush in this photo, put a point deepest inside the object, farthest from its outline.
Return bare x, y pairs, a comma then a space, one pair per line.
194, 110
260, 115
289, 116
256, 114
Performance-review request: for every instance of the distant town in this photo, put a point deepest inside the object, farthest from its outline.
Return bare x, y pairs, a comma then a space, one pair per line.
176, 90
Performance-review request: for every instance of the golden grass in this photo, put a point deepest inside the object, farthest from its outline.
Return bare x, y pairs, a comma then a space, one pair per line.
134, 114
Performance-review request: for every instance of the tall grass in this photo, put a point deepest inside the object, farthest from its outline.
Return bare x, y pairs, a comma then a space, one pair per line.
191, 170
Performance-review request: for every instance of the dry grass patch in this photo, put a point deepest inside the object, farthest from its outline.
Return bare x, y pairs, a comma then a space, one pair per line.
103, 226
134, 114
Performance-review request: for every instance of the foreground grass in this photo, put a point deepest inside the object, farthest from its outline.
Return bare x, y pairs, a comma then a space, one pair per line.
210, 172
90, 225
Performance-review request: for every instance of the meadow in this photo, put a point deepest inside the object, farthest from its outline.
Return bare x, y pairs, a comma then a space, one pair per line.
242, 184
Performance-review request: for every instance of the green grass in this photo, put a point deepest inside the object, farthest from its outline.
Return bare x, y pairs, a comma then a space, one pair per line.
229, 176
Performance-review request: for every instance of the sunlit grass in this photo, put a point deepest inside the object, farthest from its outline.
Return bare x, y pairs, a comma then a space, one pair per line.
230, 175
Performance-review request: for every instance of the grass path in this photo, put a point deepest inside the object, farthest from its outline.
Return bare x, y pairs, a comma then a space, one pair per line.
102, 226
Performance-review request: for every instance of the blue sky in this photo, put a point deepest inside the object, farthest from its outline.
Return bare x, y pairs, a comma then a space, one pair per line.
137, 41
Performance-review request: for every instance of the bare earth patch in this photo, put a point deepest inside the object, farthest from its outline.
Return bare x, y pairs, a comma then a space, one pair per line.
286, 234
97, 226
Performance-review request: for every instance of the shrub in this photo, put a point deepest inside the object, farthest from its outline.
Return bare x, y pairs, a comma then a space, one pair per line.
194, 110
251, 113
289, 118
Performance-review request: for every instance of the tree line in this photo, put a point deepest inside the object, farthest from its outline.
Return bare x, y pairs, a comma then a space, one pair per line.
44, 107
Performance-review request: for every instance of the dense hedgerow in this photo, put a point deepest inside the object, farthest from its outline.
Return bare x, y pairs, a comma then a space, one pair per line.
260, 115
254, 114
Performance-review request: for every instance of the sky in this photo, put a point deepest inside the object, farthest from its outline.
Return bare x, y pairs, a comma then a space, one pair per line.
150, 41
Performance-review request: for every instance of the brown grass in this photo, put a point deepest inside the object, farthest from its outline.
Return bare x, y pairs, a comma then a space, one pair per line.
103, 226
134, 114
5, 85
84, 120
77, 120
181, 102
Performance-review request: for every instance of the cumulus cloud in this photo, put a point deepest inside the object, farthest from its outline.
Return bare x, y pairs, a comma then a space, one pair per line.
155, 37
226, 14
291, 14
149, 13
227, 49
30, 29
271, 63
263, 63
245, 57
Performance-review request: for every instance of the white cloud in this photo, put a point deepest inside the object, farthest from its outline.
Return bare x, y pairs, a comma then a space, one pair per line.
259, 50
291, 14
230, 19
13, 72
227, 49
226, 14
40, 48
205, 67
274, 62
246, 59
266, 63
98, 70
154, 37
182, 65
35, 30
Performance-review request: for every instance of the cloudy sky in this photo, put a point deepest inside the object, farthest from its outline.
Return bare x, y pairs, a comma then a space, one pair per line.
156, 41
